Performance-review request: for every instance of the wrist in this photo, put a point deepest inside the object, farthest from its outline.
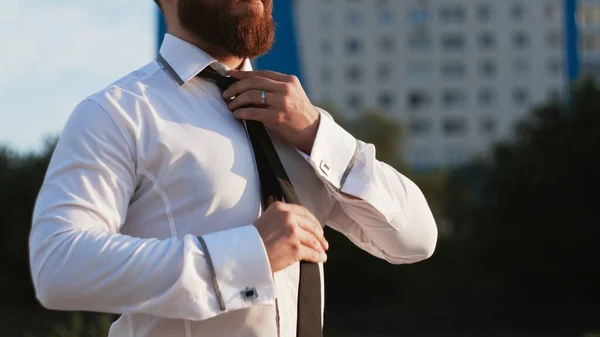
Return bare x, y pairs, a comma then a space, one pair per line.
311, 131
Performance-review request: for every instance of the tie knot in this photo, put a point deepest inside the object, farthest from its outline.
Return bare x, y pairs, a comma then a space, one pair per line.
223, 82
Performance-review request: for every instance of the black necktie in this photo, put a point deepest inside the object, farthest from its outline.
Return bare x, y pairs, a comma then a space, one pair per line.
276, 186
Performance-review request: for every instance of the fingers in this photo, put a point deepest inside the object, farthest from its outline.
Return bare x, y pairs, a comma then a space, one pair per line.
316, 231
311, 255
269, 116
253, 83
308, 242
310, 249
240, 75
316, 225
253, 97
309, 223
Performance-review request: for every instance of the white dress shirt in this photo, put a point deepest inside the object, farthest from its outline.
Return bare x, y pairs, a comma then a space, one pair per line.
153, 161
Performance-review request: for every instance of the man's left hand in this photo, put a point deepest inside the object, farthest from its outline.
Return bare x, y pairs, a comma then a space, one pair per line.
286, 109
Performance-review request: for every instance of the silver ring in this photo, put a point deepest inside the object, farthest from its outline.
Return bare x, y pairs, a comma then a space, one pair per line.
263, 97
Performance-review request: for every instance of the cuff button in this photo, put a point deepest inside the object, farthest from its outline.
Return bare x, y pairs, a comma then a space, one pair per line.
324, 168
249, 294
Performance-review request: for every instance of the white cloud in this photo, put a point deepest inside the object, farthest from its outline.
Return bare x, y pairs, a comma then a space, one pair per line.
48, 45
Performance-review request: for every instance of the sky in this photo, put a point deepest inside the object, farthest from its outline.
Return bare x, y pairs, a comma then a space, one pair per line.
55, 53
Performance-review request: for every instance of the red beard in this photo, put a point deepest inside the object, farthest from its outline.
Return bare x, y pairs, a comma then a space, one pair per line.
247, 35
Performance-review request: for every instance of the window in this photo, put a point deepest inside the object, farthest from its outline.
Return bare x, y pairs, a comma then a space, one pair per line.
421, 159
384, 72
419, 41
486, 97
485, 13
522, 67
521, 96
354, 101
454, 126
554, 39
419, 127
353, 46
387, 43
326, 47
454, 98
419, 70
386, 17
590, 42
488, 68
517, 11
453, 70
454, 157
419, 17
354, 74
354, 19
386, 100
452, 14
445, 14
418, 100
589, 15
554, 67
488, 125
487, 41
453, 42
520, 40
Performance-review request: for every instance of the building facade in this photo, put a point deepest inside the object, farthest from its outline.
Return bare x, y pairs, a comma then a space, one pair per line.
588, 19
456, 74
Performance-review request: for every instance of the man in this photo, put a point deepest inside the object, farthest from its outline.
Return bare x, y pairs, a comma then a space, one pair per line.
151, 207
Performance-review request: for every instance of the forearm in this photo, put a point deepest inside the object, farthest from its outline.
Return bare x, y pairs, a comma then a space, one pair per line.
378, 208
406, 236
92, 270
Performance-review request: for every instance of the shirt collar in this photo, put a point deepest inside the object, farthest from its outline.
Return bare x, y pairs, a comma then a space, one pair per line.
184, 60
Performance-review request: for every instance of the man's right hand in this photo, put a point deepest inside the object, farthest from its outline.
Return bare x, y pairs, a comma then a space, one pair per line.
291, 233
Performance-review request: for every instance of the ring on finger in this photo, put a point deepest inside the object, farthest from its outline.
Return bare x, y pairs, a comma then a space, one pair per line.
263, 97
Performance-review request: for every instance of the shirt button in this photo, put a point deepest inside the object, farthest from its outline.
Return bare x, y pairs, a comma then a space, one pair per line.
249, 294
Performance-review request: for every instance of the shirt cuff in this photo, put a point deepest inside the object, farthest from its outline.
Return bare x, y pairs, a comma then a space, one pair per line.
243, 275
334, 152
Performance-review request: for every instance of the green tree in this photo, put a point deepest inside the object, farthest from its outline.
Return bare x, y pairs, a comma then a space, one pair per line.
21, 177
536, 238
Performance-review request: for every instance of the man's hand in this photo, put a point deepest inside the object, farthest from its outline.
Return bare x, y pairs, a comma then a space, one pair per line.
286, 109
291, 233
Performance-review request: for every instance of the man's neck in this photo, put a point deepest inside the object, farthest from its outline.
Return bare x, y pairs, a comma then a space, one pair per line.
218, 53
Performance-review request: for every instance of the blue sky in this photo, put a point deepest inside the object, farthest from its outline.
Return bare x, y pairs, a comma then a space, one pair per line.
57, 52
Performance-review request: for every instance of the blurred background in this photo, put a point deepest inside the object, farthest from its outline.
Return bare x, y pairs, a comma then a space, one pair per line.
491, 106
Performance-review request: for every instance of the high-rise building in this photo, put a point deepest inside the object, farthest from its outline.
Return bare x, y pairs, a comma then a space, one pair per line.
456, 74
588, 19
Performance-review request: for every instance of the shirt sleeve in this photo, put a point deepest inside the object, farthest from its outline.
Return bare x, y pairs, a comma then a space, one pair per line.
79, 261
377, 208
